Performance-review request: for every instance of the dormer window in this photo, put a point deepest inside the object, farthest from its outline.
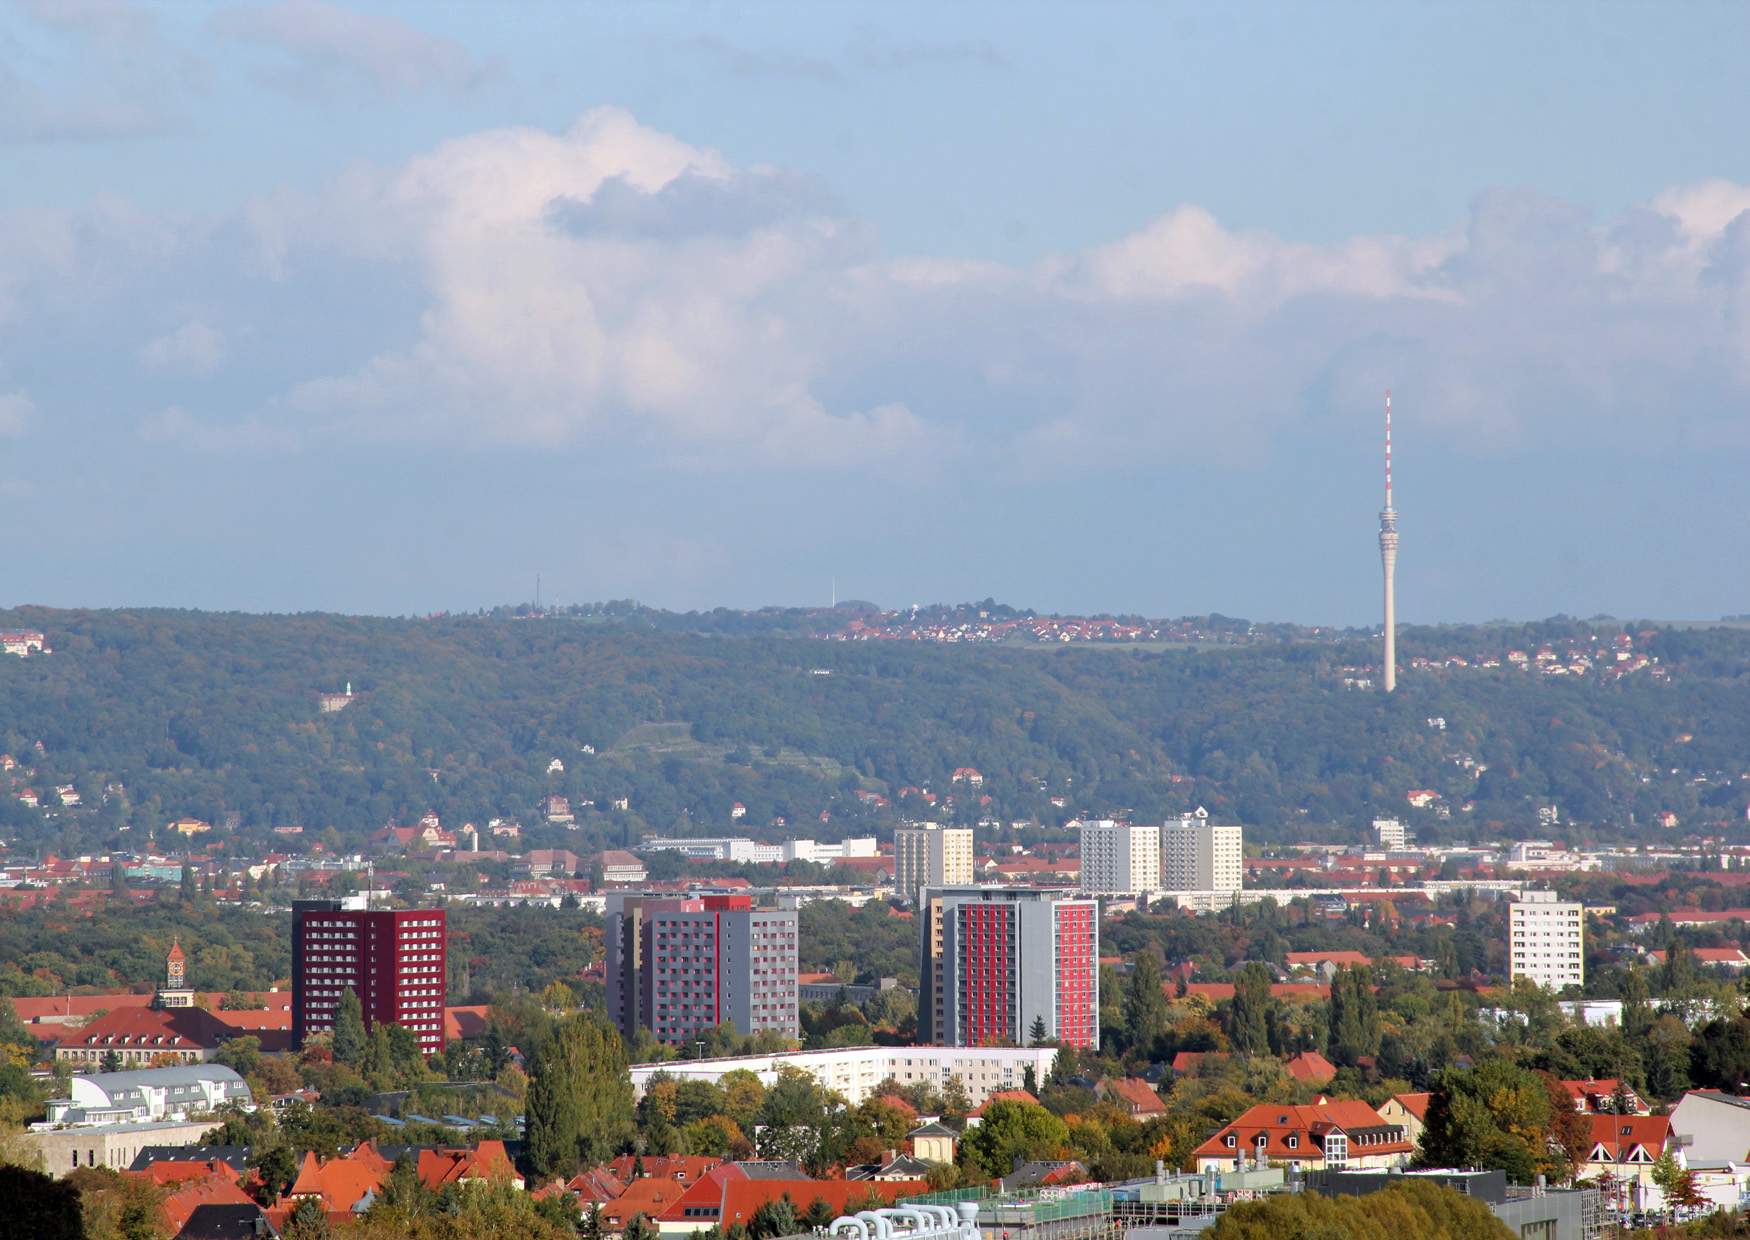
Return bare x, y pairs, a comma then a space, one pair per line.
1232, 1140
1293, 1143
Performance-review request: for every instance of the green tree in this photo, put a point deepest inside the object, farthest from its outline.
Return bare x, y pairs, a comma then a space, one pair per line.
110, 1061
1419, 1209
1037, 1035
1354, 1016
38, 1206
579, 1106
1248, 1012
307, 1221
1145, 1005
1010, 1131
773, 1219
349, 1030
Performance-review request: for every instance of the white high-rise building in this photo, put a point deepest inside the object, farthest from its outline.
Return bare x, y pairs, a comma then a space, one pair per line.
1389, 833
1120, 858
1546, 940
931, 856
1197, 855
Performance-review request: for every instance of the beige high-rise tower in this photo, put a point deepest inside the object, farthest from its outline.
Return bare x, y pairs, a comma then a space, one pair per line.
1388, 560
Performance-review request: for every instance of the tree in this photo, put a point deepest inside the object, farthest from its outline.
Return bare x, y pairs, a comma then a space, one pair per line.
1496, 1115
111, 1061
1145, 1005
1248, 1012
1354, 1016
773, 1219
639, 1228
1037, 1034
307, 1221
579, 1105
1013, 1130
38, 1206
349, 1029
1420, 1209
1719, 1057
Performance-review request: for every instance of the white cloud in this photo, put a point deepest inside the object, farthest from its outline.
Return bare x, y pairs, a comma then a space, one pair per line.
329, 45
613, 286
195, 348
16, 411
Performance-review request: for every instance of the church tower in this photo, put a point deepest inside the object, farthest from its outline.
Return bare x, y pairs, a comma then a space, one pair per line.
174, 993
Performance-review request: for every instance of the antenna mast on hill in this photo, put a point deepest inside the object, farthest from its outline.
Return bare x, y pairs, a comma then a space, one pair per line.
1388, 560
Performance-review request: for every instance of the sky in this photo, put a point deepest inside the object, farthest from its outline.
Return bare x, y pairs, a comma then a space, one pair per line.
1084, 307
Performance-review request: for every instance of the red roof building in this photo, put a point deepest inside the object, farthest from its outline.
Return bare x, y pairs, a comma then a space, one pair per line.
1311, 1068
1325, 1134
1134, 1095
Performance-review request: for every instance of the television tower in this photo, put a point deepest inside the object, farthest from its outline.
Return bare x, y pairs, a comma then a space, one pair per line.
1388, 560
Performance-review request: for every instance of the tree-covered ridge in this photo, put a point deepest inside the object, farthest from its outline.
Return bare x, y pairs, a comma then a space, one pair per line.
151, 715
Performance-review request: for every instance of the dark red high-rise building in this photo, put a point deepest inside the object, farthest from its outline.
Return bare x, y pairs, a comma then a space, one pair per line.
392, 959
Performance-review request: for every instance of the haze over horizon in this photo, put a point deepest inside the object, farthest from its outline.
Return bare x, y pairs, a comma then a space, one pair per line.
386, 308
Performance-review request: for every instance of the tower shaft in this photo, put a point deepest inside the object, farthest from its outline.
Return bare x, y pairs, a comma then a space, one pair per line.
1388, 561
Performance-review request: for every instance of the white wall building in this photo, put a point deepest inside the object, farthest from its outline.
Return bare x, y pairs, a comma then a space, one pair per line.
1388, 833
149, 1095
1197, 855
931, 856
855, 1071
1120, 858
1546, 940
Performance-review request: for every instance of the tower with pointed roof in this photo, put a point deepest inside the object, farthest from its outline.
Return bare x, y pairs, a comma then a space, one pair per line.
174, 993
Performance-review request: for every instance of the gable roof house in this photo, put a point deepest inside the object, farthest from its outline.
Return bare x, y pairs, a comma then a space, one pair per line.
1623, 1151
1324, 1135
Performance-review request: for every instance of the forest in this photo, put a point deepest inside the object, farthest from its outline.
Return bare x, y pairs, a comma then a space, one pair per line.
154, 715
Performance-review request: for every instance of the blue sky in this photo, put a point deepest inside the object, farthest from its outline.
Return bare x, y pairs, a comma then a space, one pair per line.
1087, 307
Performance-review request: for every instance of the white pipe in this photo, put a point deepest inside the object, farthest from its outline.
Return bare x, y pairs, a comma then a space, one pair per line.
846, 1222
879, 1224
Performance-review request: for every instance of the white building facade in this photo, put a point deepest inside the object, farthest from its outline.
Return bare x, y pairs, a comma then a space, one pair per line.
855, 1071
1546, 940
931, 856
1197, 855
1120, 859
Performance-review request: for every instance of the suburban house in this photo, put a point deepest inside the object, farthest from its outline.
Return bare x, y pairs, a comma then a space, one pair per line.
1624, 1149
1409, 1112
1324, 1135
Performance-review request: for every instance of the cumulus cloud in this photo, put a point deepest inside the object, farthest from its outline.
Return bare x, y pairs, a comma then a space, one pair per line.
610, 285
195, 348
327, 46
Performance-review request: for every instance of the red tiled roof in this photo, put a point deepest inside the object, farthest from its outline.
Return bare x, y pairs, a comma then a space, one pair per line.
139, 1028
649, 1197
741, 1197
1217, 991
597, 1185
1310, 1125
1004, 1095
466, 1022
688, 1167
485, 1161
1415, 1104
1135, 1095
180, 1203
340, 1182
1620, 1134
1358, 959
1311, 1067
169, 1171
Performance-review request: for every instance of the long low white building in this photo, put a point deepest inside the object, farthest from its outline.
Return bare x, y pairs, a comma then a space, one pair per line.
855, 1071
146, 1096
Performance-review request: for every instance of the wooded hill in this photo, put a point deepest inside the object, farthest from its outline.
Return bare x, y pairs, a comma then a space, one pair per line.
201, 713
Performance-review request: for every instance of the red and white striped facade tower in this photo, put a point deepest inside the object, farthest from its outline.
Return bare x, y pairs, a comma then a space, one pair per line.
1388, 559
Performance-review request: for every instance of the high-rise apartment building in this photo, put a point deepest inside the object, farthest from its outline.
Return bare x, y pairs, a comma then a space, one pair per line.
392, 959
931, 856
1197, 855
995, 963
679, 965
1120, 858
1546, 940
1389, 834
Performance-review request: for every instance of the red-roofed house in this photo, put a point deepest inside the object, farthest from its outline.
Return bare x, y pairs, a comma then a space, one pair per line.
1311, 1068
342, 1185
741, 1197
1409, 1112
1135, 1095
1186, 1062
1598, 1097
182, 1202
1725, 959
146, 1037
1325, 1134
485, 1161
1624, 1149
